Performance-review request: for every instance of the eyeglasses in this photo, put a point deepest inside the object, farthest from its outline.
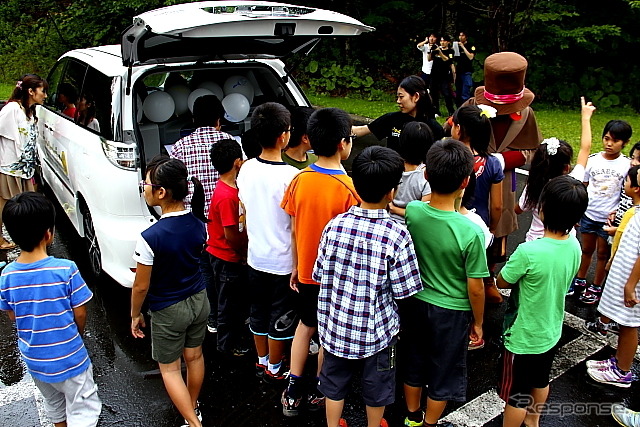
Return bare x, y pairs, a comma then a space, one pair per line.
141, 185
350, 138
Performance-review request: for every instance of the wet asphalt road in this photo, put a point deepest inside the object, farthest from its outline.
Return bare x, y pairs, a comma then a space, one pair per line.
133, 393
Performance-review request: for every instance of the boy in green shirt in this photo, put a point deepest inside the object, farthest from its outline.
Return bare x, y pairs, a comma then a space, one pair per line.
540, 272
441, 319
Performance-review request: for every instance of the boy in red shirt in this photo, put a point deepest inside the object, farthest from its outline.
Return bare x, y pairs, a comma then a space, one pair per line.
227, 246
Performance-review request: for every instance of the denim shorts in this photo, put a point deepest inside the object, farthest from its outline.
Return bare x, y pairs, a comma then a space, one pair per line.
378, 376
589, 226
434, 346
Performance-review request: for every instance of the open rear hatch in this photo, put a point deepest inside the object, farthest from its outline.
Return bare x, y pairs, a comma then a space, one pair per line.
228, 30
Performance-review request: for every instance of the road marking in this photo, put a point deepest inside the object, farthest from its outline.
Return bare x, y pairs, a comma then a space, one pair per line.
488, 405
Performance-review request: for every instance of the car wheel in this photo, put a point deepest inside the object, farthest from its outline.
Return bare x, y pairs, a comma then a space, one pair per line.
91, 241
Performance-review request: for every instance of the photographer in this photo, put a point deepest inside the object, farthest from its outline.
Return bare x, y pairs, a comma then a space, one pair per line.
442, 74
425, 47
464, 68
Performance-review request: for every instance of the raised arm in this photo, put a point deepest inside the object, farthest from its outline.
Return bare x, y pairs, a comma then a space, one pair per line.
587, 110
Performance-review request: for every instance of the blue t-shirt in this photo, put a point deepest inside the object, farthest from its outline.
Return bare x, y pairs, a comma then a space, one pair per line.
488, 172
43, 295
173, 246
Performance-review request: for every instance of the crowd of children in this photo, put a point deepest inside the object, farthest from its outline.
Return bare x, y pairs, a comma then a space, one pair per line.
386, 267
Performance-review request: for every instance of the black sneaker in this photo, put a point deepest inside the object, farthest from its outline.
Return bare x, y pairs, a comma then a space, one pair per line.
260, 370
212, 326
596, 328
238, 351
290, 406
278, 378
315, 401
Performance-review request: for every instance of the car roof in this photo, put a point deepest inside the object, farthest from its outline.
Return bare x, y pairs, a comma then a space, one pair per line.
106, 59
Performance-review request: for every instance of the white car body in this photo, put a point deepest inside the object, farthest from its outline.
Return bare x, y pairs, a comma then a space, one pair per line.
95, 174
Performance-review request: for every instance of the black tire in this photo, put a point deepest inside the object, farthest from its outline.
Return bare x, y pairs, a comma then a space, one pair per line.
94, 256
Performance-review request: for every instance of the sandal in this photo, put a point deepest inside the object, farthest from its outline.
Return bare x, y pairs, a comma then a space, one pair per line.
7, 246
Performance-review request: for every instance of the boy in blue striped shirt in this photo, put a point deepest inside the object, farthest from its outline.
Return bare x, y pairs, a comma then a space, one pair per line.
46, 298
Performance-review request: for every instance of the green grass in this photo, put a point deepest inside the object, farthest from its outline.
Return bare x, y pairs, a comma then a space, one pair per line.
562, 123
5, 90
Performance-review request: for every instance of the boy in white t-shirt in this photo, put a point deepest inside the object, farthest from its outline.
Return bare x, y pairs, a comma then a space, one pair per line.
604, 177
262, 182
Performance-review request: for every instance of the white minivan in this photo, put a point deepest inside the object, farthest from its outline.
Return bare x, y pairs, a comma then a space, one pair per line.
132, 101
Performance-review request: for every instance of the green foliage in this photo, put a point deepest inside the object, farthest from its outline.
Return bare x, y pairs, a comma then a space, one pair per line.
335, 79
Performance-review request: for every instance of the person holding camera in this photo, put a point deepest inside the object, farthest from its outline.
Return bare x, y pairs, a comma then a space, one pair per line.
425, 46
464, 68
442, 74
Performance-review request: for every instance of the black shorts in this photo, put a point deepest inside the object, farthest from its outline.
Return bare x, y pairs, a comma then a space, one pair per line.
308, 304
434, 344
520, 373
378, 376
272, 305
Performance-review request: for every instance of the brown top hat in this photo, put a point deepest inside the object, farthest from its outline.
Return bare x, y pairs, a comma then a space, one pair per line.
504, 83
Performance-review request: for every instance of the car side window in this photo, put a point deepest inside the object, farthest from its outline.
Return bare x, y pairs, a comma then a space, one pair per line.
94, 103
64, 89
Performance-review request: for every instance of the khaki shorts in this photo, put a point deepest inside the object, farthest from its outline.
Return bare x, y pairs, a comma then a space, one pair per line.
74, 400
179, 326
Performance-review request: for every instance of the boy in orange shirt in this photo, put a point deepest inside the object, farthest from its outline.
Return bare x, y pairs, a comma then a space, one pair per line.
317, 194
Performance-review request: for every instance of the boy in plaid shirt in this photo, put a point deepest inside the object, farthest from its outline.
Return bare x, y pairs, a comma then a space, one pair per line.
365, 260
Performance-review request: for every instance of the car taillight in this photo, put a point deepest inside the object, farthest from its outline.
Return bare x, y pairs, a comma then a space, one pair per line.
120, 154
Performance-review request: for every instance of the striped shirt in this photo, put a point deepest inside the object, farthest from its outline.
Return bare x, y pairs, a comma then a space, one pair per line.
612, 302
42, 295
365, 260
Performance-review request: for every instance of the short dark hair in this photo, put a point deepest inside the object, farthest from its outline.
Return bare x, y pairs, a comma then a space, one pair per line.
326, 128
376, 171
250, 144
562, 203
299, 119
633, 176
27, 217
270, 120
618, 129
636, 147
446, 38
448, 164
415, 140
224, 153
207, 111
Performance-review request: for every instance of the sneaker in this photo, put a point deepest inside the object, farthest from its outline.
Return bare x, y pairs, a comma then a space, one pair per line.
625, 416
236, 351
315, 401
577, 286
613, 327
342, 423
596, 328
277, 378
260, 370
595, 364
475, 346
198, 414
290, 406
314, 347
212, 326
611, 375
411, 423
591, 295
